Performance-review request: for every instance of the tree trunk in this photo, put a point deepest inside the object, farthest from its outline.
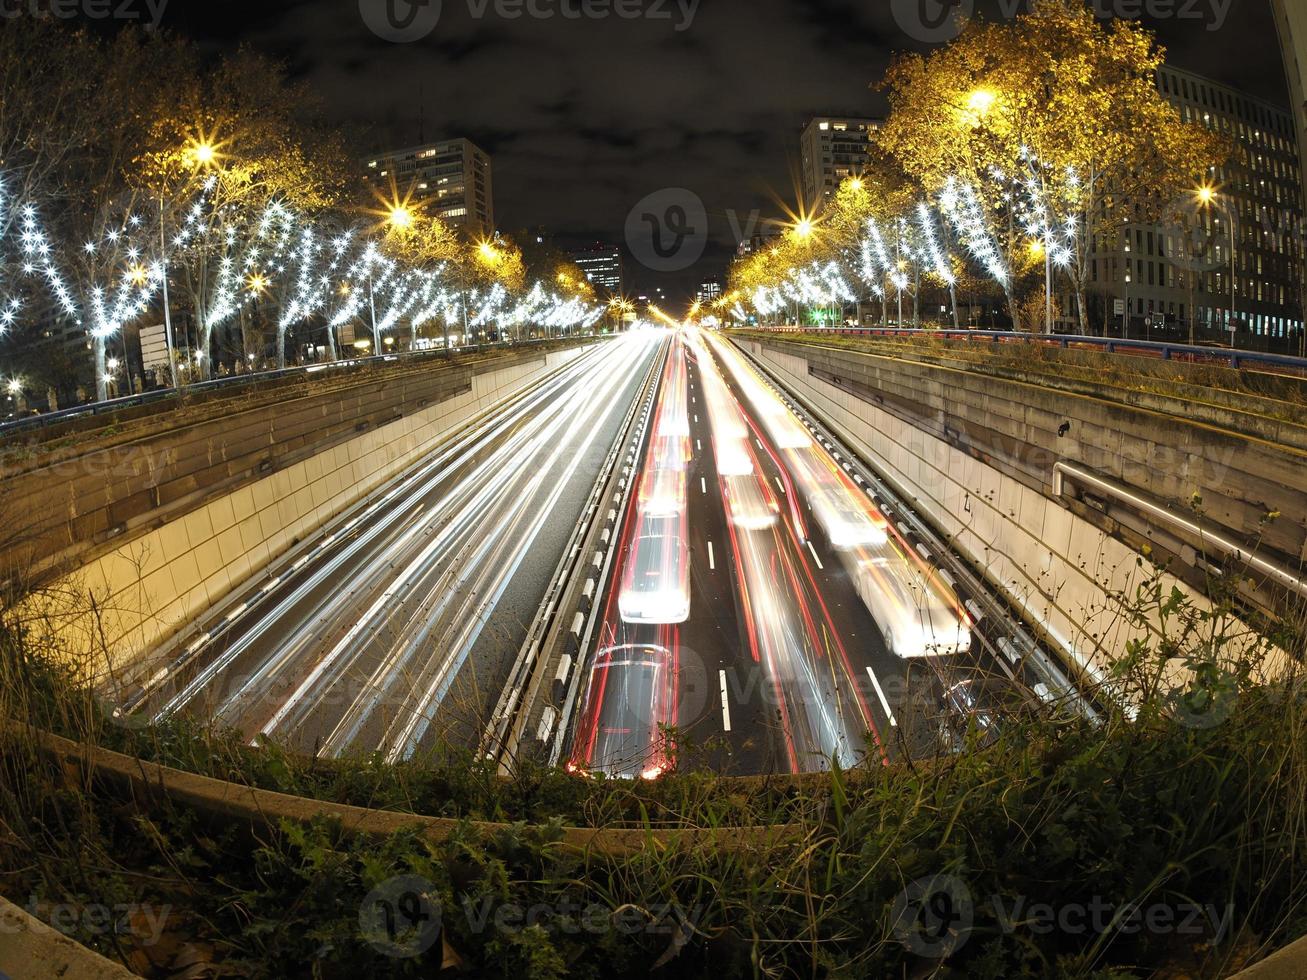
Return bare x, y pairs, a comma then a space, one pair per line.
101, 379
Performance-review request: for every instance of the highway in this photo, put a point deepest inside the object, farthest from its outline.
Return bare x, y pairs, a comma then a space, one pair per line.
814, 631
396, 627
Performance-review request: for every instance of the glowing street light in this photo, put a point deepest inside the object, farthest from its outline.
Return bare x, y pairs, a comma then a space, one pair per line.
982, 101
400, 218
1207, 196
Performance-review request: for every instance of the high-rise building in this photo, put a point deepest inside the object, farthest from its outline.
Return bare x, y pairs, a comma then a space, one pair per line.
757, 243
1291, 22
602, 265
452, 178
831, 149
1151, 271
709, 291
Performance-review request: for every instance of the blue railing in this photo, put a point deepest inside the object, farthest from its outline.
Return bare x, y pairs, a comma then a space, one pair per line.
1239, 359
237, 381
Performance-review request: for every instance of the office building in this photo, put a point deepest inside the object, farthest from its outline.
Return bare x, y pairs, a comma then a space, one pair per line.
832, 149
709, 292
602, 265
1151, 270
451, 178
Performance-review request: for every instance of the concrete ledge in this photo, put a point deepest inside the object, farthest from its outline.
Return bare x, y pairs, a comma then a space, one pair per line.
1289, 963
153, 784
1068, 575
31, 950
138, 595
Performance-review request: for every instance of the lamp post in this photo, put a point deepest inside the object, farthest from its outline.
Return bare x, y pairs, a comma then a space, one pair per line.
1206, 197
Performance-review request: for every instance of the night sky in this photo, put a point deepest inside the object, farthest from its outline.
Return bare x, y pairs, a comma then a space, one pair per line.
584, 117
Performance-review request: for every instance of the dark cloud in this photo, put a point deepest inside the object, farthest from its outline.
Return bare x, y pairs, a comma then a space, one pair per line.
586, 116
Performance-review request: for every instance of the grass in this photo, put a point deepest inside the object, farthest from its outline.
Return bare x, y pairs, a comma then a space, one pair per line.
1104, 375
1027, 853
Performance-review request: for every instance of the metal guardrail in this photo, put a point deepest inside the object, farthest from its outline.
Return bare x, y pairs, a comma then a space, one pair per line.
238, 381
1232, 357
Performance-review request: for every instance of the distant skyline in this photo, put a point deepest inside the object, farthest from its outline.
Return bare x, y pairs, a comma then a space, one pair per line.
586, 115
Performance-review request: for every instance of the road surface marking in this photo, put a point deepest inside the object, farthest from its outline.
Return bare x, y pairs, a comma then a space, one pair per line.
814, 556
883, 702
779, 483
726, 707
712, 561
703, 485
698, 446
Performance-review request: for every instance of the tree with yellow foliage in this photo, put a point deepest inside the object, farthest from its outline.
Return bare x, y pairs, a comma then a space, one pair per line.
1057, 107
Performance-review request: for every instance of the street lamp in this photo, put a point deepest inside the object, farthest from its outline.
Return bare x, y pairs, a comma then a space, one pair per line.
400, 218
1207, 196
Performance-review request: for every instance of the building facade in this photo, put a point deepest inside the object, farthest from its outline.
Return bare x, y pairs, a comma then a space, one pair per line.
1291, 23
602, 265
1228, 261
709, 292
451, 178
831, 149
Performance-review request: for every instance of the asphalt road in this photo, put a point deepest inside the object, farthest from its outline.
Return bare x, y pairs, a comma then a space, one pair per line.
779, 665
397, 629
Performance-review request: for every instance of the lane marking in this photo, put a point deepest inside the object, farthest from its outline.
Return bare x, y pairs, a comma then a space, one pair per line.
703, 485
698, 446
712, 561
814, 556
779, 483
884, 702
726, 707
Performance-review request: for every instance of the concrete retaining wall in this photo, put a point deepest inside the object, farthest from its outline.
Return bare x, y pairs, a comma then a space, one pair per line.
1062, 569
135, 596
31, 950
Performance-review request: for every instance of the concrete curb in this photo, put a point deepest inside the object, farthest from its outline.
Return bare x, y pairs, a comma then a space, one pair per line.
266, 808
1289, 963
31, 950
